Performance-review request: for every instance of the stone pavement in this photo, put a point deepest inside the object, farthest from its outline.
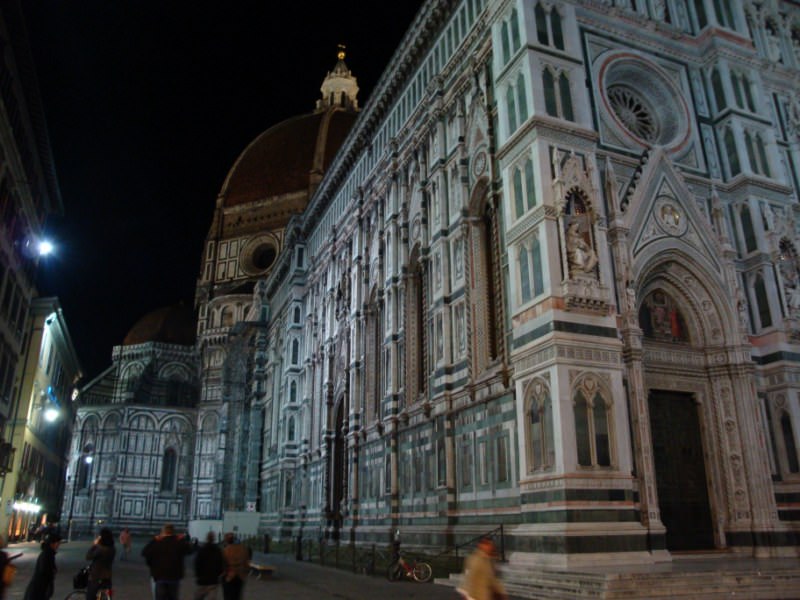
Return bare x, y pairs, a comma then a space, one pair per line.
293, 580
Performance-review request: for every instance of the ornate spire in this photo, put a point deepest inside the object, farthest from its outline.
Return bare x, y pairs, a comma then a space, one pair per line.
339, 87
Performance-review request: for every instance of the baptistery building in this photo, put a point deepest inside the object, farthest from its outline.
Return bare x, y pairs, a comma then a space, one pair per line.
548, 278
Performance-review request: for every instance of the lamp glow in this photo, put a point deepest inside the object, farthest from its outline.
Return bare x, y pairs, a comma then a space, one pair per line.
45, 248
88, 460
28, 507
50, 414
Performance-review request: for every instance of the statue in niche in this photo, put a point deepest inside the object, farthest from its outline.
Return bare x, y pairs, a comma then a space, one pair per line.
788, 268
581, 256
773, 43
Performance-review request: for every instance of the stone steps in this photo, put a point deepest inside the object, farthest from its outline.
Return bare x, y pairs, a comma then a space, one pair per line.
708, 584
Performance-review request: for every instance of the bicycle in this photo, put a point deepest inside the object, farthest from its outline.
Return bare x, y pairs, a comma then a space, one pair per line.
410, 569
102, 594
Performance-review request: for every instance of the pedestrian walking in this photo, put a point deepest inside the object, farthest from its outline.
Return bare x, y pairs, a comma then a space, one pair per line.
164, 555
101, 555
44, 573
209, 567
480, 576
237, 566
125, 543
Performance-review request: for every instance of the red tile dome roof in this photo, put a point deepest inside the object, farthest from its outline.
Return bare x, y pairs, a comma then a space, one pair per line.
170, 325
283, 158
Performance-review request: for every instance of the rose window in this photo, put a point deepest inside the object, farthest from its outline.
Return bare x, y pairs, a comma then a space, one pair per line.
633, 112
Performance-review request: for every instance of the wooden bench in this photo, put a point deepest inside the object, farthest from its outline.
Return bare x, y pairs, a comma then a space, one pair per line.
260, 570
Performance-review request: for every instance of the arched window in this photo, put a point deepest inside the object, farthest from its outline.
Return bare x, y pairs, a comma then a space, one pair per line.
293, 392
719, 91
295, 352
762, 156
549, 88
226, 316
511, 108
555, 28
565, 97
787, 431
548, 27
169, 470
530, 189
700, 13
539, 413
84, 473
730, 151
541, 25
505, 42
536, 259
592, 426
722, 8
751, 151
524, 276
515, 40
290, 430
522, 100
519, 196
750, 241
762, 302
296, 317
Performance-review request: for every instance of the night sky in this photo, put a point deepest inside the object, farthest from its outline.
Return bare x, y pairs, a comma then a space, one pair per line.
148, 104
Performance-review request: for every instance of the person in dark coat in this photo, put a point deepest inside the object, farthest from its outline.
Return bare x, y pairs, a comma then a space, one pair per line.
209, 566
164, 555
102, 556
44, 574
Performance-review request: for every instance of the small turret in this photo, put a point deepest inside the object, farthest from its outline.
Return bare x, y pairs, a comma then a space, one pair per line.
339, 88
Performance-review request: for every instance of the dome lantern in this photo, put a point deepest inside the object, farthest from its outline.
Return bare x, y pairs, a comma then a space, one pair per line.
339, 87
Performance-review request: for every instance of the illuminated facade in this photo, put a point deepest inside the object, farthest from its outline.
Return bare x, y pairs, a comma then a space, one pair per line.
548, 280
40, 425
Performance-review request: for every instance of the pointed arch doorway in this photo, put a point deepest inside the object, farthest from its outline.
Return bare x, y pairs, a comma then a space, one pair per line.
680, 410
680, 470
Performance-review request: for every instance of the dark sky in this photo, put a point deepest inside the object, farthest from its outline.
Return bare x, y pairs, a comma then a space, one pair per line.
148, 104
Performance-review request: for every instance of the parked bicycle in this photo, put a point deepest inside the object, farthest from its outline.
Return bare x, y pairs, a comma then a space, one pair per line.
409, 569
102, 594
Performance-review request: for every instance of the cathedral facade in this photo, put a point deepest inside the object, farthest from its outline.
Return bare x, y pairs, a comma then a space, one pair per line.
547, 278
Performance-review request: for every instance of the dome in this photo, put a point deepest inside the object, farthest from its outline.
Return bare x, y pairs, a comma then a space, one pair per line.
287, 158
169, 325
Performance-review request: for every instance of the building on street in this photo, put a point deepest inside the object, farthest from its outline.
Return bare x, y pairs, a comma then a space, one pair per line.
547, 277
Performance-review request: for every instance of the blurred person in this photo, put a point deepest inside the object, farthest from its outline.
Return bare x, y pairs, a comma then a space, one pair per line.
237, 566
101, 555
44, 573
209, 567
480, 575
164, 555
125, 542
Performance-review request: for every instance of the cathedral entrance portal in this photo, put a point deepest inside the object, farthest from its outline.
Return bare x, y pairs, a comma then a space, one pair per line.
680, 471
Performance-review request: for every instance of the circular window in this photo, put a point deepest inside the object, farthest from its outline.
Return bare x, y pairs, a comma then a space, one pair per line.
634, 112
259, 254
643, 105
264, 256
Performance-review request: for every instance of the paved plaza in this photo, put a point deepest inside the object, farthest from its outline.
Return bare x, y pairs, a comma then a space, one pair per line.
293, 580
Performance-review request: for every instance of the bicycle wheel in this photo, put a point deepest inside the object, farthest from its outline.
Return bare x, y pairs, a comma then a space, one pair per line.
422, 572
395, 572
76, 595
104, 594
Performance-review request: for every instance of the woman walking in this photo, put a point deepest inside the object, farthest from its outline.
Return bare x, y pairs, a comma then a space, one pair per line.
44, 574
102, 556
